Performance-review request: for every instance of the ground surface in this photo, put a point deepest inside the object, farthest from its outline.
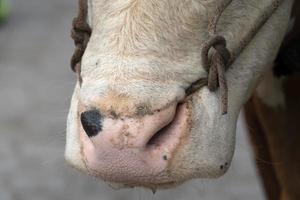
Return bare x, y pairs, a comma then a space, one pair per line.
35, 87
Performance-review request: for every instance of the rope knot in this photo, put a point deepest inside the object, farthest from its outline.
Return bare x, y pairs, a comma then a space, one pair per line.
216, 67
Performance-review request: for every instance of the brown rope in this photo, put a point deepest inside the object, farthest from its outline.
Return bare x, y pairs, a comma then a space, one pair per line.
215, 66
261, 20
80, 33
222, 58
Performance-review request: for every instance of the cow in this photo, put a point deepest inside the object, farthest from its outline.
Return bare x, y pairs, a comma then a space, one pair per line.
138, 116
272, 114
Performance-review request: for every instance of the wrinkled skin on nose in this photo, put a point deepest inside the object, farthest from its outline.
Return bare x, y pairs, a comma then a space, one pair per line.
136, 149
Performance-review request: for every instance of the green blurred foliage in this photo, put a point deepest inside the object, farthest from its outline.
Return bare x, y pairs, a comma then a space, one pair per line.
4, 9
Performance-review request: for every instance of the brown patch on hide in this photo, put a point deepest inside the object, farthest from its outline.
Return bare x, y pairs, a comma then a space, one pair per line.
261, 151
114, 105
276, 138
119, 106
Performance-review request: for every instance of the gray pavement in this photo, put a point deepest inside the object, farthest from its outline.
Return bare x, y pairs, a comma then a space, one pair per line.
35, 88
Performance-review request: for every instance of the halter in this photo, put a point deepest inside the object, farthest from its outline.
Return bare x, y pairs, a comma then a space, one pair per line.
81, 33
215, 65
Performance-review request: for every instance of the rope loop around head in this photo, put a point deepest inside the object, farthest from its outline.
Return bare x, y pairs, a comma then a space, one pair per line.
215, 66
80, 33
219, 44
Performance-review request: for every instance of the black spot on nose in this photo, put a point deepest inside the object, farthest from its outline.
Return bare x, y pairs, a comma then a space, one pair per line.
91, 122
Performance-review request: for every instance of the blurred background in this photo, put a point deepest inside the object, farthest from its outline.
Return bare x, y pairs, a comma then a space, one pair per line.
36, 84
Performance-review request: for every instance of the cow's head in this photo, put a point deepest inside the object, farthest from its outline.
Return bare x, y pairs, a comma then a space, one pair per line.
130, 120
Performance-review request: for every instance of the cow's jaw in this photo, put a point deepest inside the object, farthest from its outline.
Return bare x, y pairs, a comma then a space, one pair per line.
125, 70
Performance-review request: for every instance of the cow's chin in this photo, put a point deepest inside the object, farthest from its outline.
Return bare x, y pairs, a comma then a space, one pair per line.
198, 142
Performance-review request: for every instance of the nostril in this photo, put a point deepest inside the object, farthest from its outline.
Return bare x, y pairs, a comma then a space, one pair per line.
168, 131
91, 122
158, 136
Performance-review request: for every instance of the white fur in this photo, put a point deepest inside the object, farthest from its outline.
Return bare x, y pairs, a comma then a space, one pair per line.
72, 142
149, 50
90, 8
